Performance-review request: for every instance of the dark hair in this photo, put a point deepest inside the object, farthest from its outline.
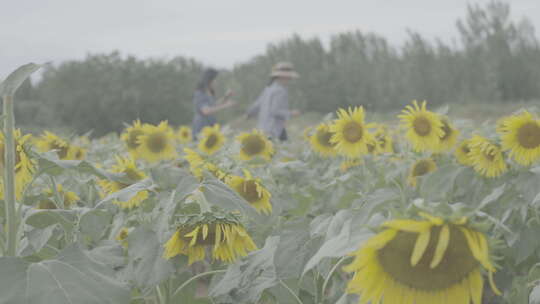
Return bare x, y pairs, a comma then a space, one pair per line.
272, 79
207, 77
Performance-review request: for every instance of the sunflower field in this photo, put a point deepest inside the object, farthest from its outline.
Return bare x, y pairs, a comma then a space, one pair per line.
423, 209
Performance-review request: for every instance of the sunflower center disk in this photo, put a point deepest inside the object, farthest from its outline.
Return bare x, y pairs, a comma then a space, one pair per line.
132, 142
157, 142
211, 141
62, 150
457, 263
249, 191
132, 174
253, 145
422, 126
323, 137
421, 168
529, 136
353, 131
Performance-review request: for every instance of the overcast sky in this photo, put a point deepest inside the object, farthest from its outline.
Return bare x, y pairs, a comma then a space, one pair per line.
219, 33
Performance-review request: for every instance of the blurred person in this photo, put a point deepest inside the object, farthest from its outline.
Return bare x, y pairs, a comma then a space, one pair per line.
205, 104
272, 106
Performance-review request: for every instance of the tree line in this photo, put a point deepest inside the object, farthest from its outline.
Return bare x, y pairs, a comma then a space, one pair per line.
494, 58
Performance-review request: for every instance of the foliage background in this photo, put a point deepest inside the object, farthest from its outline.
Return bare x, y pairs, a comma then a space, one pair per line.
494, 59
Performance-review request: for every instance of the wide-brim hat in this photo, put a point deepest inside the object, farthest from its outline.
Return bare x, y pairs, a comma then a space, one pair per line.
284, 69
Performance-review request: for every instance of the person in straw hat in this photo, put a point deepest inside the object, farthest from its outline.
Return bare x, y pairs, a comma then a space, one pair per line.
272, 106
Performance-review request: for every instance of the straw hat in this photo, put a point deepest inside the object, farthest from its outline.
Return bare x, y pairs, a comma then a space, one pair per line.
284, 69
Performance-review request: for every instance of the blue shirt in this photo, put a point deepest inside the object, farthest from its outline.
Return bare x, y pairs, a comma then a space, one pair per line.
202, 99
272, 110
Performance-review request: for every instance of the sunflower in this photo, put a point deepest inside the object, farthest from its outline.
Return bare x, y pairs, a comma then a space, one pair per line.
198, 164
255, 144
321, 141
211, 139
76, 153
424, 128
50, 141
223, 234
130, 136
24, 165
384, 140
449, 138
68, 198
252, 191
422, 262
520, 134
463, 152
122, 236
351, 135
131, 174
421, 168
156, 143
486, 157
184, 135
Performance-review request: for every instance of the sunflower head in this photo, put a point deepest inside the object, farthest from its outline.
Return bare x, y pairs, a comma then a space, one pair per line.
321, 141
156, 143
421, 168
222, 234
423, 261
424, 128
520, 134
252, 190
255, 144
462, 153
131, 174
76, 153
449, 138
487, 157
350, 133
184, 134
50, 141
69, 198
130, 136
383, 139
211, 139
24, 165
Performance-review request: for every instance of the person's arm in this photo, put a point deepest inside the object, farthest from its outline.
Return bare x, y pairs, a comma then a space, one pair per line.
255, 107
209, 110
207, 107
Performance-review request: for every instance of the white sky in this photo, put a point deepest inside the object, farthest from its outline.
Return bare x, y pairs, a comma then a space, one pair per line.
219, 33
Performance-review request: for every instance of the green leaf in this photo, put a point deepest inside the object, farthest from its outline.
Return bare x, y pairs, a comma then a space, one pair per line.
492, 197
219, 194
534, 297
294, 249
71, 278
38, 238
146, 263
343, 237
93, 224
127, 193
41, 218
245, 280
10, 85
49, 163
439, 185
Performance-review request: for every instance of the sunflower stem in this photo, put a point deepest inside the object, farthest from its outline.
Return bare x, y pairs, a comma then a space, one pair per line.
327, 280
9, 177
194, 278
291, 292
